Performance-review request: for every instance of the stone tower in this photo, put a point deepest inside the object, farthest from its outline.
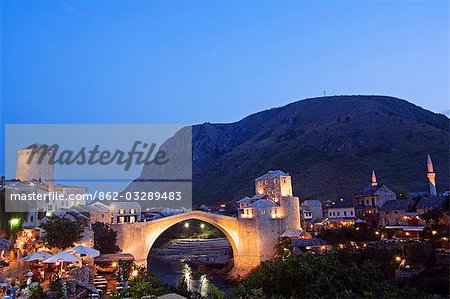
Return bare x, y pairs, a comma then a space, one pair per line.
29, 168
431, 176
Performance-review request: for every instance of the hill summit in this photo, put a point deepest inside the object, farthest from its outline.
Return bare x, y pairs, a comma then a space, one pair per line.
329, 145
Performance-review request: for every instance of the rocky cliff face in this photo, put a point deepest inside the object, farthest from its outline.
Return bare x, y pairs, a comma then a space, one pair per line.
329, 145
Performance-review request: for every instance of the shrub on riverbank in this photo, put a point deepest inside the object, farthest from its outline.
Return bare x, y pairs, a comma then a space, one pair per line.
323, 276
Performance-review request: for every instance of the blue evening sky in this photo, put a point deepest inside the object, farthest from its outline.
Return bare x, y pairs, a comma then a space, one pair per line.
191, 62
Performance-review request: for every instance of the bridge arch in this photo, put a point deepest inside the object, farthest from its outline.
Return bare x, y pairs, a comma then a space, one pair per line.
227, 226
138, 238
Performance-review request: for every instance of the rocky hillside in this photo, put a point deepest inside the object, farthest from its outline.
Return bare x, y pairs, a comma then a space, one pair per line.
329, 145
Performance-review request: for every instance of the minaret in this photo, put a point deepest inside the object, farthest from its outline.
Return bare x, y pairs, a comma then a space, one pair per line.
431, 176
374, 179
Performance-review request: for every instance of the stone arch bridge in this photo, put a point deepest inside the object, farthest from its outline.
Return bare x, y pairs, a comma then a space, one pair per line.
252, 240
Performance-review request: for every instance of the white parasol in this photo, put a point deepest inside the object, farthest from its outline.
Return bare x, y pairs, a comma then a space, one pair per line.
84, 250
36, 256
62, 257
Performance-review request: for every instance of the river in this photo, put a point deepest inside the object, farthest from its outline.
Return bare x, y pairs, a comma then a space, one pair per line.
170, 272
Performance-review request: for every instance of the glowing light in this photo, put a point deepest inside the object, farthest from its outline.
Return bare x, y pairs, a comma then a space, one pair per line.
114, 264
444, 238
407, 233
134, 273
14, 222
434, 232
202, 226
377, 233
357, 228
186, 224
222, 205
398, 258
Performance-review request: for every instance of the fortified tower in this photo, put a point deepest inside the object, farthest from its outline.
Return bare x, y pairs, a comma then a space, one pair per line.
30, 168
431, 176
263, 218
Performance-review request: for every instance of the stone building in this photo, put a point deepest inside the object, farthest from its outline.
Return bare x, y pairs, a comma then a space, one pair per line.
30, 167
397, 212
272, 213
339, 213
274, 184
370, 199
125, 212
95, 212
311, 212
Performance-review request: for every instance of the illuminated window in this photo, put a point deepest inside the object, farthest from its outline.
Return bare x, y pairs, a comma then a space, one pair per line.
132, 211
266, 182
121, 211
121, 219
263, 212
132, 219
275, 181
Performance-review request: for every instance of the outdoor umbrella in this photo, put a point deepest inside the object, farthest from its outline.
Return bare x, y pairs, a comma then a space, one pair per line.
36, 256
84, 250
62, 257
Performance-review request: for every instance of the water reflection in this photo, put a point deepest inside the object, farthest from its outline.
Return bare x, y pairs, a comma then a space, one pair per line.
170, 272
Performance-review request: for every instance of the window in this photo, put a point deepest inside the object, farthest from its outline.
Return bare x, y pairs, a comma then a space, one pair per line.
266, 182
263, 212
339, 213
132, 219
50, 207
275, 181
121, 211
132, 211
345, 213
351, 213
273, 191
121, 219
367, 202
395, 212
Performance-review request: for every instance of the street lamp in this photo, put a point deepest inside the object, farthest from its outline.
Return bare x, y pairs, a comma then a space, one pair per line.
14, 222
202, 225
186, 224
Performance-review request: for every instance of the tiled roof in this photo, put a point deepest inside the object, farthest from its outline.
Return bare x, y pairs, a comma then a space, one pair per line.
259, 196
341, 204
399, 204
312, 202
368, 190
294, 233
431, 202
309, 242
271, 174
245, 199
263, 203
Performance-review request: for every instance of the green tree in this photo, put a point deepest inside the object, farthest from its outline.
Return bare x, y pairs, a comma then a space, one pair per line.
105, 239
284, 248
216, 293
322, 276
62, 232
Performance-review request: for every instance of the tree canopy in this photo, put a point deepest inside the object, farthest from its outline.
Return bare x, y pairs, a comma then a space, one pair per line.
323, 276
105, 238
62, 232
